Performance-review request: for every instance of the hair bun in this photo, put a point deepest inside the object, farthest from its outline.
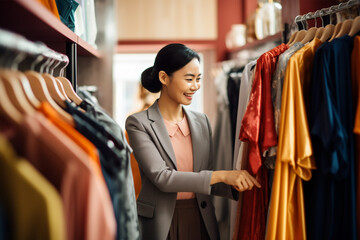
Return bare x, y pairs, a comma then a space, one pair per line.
149, 81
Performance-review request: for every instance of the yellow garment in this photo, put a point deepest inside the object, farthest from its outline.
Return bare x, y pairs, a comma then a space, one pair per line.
286, 220
33, 204
51, 6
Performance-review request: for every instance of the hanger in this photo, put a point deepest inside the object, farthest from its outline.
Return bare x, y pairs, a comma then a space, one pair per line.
355, 27
7, 109
17, 76
310, 34
344, 29
15, 92
58, 83
321, 29
69, 90
292, 37
39, 87
52, 86
300, 34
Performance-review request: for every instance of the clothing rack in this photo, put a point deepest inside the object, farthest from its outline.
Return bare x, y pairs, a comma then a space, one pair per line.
17, 47
301, 20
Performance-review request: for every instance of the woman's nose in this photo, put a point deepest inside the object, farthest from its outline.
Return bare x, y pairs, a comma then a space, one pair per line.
195, 86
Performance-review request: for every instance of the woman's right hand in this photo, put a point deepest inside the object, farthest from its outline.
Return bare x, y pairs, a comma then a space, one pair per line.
241, 180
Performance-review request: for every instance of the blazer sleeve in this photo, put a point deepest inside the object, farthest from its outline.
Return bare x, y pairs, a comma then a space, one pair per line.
154, 167
219, 189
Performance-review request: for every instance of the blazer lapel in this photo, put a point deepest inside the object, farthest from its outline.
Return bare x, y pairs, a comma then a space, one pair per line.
160, 130
196, 139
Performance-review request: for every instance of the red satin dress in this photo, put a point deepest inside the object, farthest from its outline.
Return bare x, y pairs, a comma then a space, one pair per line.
258, 129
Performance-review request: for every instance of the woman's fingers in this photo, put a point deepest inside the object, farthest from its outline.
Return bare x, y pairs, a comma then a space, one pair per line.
252, 179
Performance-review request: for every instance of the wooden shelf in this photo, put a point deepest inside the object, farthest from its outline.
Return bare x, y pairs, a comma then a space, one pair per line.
32, 20
256, 43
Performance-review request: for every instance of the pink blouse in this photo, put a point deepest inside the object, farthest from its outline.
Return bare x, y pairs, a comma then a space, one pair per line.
180, 138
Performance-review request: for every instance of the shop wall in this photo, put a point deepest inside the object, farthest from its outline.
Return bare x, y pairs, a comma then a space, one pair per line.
98, 71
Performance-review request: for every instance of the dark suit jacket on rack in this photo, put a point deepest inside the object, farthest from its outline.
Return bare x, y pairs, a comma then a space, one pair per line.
160, 179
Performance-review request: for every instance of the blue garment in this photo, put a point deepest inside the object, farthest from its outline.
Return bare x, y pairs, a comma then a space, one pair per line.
330, 197
67, 10
114, 155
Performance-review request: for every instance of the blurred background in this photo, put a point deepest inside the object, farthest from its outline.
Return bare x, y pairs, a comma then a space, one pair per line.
116, 40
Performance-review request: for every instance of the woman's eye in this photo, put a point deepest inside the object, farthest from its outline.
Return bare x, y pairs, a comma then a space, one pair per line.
198, 79
189, 79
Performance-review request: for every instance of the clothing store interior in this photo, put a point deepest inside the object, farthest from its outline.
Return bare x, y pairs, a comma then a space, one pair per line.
70, 76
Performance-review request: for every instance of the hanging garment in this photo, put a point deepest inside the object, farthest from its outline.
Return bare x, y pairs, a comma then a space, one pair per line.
67, 10
233, 87
87, 204
276, 90
331, 122
222, 150
115, 164
257, 121
240, 148
259, 115
74, 135
32, 202
294, 161
355, 74
135, 171
51, 6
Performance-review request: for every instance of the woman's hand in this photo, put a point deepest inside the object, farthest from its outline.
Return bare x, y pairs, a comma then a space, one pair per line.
241, 180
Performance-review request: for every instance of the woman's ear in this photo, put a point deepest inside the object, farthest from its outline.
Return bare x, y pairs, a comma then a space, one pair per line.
163, 77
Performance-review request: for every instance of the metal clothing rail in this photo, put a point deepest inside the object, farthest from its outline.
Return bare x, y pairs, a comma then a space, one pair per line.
16, 47
301, 20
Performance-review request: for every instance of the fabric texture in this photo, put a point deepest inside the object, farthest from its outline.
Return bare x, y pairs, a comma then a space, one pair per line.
276, 90
78, 138
241, 148
331, 122
294, 162
259, 115
51, 6
115, 164
222, 149
33, 203
257, 121
87, 205
187, 222
67, 10
180, 138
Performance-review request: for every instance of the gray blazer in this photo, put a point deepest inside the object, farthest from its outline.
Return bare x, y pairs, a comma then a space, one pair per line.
160, 179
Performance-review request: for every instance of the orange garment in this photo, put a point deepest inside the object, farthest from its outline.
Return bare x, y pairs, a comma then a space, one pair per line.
74, 135
294, 161
135, 171
51, 6
355, 74
180, 138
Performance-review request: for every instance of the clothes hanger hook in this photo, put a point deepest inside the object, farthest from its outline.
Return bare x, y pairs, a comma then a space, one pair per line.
44, 64
316, 15
38, 59
47, 69
17, 60
53, 68
66, 60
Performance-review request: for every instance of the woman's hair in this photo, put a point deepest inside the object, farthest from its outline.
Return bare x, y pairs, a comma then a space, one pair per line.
169, 59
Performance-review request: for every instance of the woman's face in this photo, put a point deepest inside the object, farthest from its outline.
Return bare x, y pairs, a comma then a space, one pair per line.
182, 84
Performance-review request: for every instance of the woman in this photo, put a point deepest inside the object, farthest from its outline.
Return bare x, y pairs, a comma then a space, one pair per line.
173, 148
